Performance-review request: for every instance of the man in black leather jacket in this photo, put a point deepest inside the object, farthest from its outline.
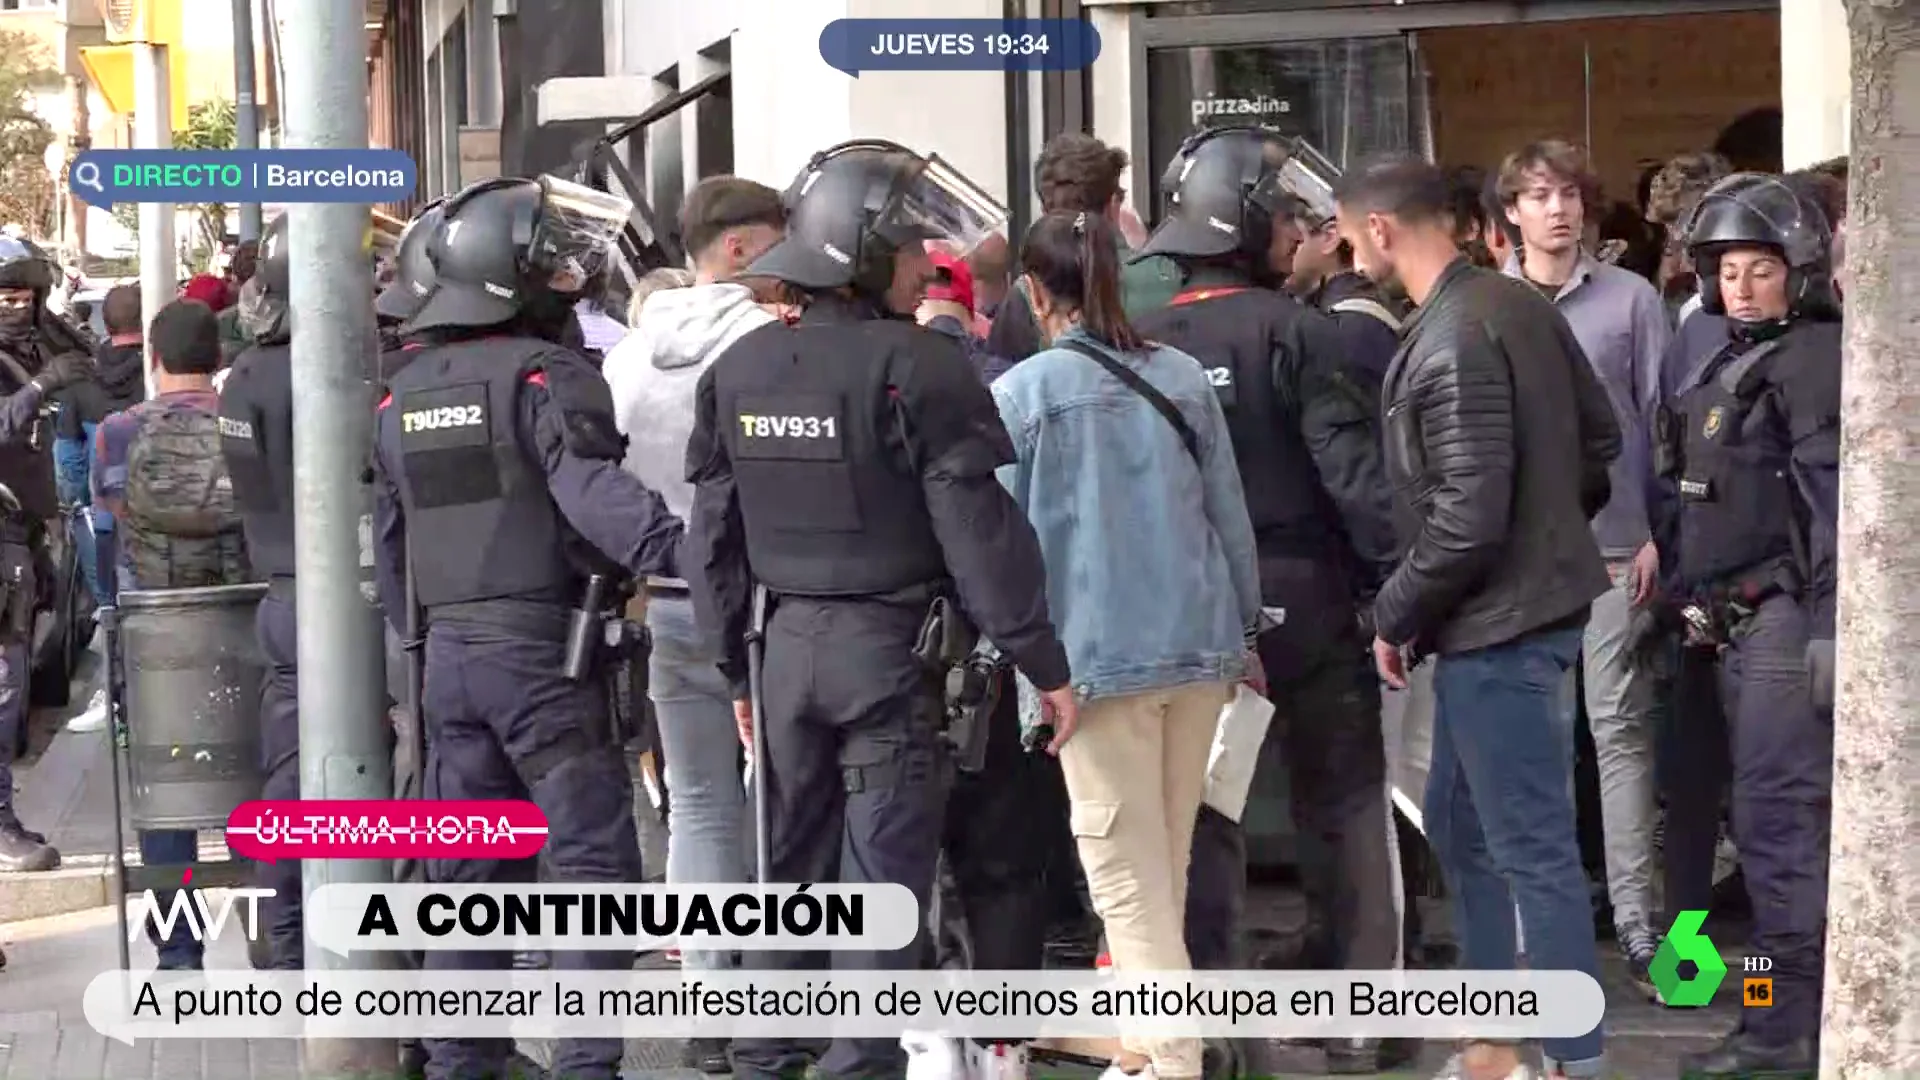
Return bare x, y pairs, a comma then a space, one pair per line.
1497, 438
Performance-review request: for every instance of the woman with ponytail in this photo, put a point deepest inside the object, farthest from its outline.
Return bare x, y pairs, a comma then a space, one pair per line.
1125, 468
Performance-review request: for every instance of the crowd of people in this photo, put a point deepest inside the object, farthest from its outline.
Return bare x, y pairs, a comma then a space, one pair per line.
1419, 456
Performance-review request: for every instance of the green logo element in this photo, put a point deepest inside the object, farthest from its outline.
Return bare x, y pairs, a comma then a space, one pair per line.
1686, 942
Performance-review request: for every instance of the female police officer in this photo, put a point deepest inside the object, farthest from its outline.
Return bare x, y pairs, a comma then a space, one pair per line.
498, 458
848, 460
1751, 445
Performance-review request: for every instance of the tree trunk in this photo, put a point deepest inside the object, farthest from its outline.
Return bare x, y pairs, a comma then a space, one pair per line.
1872, 1024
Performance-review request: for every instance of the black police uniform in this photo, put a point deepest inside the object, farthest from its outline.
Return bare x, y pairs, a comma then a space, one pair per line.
1310, 463
846, 463
256, 438
497, 454
1367, 324
1751, 445
36, 364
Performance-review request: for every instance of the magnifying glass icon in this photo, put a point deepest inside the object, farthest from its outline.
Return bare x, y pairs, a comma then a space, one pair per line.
87, 174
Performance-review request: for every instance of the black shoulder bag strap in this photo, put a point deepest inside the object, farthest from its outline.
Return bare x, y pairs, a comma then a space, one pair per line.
1145, 389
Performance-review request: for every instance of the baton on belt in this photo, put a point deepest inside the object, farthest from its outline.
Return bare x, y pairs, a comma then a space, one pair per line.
756, 658
416, 650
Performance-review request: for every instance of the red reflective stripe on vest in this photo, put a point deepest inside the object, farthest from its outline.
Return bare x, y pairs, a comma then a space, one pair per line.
384, 402
1194, 296
539, 379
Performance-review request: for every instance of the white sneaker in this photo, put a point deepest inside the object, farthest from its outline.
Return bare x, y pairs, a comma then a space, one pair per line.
932, 1056
996, 1061
1115, 1072
94, 718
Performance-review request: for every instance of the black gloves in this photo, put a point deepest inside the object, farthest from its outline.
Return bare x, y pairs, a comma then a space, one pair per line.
1820, 673
63, 371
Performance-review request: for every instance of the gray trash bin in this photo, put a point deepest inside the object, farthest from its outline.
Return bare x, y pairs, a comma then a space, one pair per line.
191, 673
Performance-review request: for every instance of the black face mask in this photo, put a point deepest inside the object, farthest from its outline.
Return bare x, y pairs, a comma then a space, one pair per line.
16, 326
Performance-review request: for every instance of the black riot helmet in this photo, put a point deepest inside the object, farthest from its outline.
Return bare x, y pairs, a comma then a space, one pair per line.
1762, 210
270, 270
512, 246
1227, 187
413, 273
24, 266
859, 203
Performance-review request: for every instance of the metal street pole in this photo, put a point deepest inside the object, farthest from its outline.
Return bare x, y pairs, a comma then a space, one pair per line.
153, 130
246, 116
343, 741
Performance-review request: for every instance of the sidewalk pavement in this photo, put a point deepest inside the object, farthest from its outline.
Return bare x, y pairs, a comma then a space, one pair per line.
64, 788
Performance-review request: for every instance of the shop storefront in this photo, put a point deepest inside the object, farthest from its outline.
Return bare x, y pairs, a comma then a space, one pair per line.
1462, 81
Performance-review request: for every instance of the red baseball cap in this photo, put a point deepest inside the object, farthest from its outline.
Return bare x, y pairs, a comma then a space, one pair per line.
952, 280
207, 289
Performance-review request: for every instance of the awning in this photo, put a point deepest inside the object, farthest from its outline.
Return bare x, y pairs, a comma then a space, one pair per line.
646, 242
110, 69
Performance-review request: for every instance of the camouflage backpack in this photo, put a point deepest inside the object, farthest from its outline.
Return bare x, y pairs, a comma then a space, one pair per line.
183, 529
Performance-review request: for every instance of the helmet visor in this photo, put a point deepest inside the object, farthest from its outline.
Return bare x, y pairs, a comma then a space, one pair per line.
1309, 178
579, 228
941, 204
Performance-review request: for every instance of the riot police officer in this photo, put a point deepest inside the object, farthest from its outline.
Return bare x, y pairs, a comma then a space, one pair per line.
498, 460
1750, 446
256, 438
36, 359
1310, 462
848, 459
1321, 274
413, 282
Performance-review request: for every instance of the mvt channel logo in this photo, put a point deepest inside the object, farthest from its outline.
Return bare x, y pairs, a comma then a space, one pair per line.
204, 921
1688, 969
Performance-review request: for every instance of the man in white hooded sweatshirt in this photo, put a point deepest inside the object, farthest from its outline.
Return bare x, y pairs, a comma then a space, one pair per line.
726, 223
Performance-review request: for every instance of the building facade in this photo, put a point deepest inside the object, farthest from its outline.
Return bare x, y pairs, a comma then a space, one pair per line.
738, 86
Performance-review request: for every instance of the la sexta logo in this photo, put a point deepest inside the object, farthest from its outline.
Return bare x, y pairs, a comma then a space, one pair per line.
204, 919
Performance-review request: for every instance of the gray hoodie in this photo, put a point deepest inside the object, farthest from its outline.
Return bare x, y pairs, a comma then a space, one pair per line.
654, 371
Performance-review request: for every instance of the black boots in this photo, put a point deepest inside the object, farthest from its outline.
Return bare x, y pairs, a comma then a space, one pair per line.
23, 851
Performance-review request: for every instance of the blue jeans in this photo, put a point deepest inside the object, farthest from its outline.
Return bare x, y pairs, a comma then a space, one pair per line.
172, 847
1500, 815
708, 829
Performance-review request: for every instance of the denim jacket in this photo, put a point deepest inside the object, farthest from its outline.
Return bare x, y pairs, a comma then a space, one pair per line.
1151, 573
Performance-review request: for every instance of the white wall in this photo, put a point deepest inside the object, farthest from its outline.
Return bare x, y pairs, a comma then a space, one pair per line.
654, 35
1816, 85
960, 115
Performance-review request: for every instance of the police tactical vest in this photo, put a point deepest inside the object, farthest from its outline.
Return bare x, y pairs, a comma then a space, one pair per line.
1235, 334
479, 518
256, 438
830, 504
1737, 505
182, 528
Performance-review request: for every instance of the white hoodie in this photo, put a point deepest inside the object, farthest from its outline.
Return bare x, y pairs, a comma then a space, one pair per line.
654, 371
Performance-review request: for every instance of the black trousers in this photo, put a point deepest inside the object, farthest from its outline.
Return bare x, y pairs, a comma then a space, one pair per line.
993, 905
856, 792
1326, 733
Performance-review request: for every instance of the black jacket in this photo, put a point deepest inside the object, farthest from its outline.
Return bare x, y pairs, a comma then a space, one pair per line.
1498, 439
1356, 306
119, 382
